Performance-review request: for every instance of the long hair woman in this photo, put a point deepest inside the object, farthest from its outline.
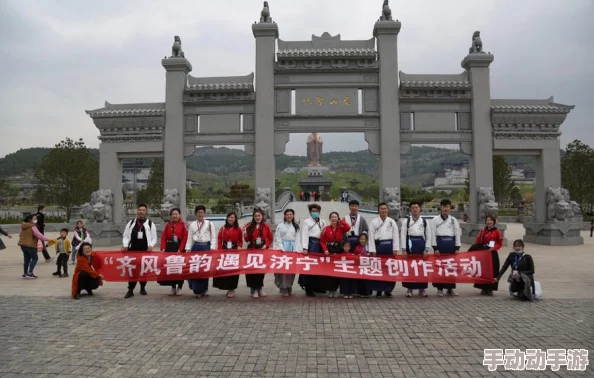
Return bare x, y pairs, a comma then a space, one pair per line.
258, 236
286, 239
230, 237
173, 240
490, 240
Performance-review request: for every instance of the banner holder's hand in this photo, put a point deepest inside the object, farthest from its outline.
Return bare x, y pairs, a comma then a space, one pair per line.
305, 251
404, 254
124, 249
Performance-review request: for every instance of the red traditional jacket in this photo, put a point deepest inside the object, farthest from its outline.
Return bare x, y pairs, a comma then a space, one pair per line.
486, 235
334, 234
263, 232
361, 250
174, 228
230, 234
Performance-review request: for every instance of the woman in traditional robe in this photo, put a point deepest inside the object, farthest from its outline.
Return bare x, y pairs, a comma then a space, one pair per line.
258, 236
521, 280
331, 241
286, 239
230, 237
311, 229
490, 240
173, 240
86, 277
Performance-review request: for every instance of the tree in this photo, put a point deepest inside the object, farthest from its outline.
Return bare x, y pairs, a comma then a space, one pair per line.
154, 187
502, 182
68, 174
577, 173
467, 187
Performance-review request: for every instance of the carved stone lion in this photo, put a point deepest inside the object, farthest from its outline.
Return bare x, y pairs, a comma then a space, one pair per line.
386, 12
176, 49
486, 202
558, 209
102, 203
265, 14
392, 198
263, 200
477, 43
170, 201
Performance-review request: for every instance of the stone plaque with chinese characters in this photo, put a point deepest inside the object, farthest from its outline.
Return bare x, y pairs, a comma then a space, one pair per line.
322, 101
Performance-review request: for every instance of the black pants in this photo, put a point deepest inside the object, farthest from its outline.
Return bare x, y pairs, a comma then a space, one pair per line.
132, 285
86, 282
62, 262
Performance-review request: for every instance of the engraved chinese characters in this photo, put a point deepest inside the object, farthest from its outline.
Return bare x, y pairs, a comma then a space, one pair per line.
325, 101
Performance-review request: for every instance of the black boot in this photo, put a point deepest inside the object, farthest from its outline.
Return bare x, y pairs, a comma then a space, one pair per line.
143, 290
129, 294
77, 296
90, 292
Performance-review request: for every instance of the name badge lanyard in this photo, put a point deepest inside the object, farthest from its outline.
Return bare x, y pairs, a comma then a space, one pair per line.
139, 233
228, 234
173, 229
518, 259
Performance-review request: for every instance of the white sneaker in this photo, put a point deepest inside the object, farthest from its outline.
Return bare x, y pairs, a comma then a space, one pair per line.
255, 295
440, 293
178, 291
422, 293
172, 292
409, 293
262, 293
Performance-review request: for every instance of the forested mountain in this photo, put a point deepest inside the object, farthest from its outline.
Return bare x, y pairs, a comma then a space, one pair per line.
418, 166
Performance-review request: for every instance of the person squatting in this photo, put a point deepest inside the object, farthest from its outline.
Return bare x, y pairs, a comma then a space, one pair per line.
349, 235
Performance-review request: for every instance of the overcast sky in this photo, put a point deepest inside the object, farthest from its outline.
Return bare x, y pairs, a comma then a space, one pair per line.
60, 58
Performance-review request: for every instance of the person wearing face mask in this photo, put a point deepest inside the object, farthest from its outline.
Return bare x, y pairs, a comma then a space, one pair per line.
521, 279
28, 239
310, 242
384, 240
445, 240
489, 240
86, 277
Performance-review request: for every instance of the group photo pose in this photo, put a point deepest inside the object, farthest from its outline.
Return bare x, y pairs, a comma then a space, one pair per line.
413, 237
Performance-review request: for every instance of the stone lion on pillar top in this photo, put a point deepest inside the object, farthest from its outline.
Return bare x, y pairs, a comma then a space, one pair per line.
170, 201
263, 200
101, 206
558, 209
392, 199
486, 202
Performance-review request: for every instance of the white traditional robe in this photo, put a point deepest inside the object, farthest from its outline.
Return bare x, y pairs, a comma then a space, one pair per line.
310, 229
415, 228
383, 230
286, 231
448, 227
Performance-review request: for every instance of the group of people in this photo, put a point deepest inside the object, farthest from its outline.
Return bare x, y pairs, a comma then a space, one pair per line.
350, 234
309, 196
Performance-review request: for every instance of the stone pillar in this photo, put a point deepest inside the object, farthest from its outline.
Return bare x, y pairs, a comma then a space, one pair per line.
548, 174
265, 34
110, 177
386, 33
173, 139
481, 158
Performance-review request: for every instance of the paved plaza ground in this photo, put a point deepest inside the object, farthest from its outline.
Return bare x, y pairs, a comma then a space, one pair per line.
44, 333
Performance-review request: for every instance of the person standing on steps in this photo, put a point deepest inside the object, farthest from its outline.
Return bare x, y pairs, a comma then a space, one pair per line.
415, 237
445, 240
383, 241
357, 222
202, 236
140, 235
40, 216
310, 242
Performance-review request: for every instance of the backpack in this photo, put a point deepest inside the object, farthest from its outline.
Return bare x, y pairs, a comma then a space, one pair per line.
408, 225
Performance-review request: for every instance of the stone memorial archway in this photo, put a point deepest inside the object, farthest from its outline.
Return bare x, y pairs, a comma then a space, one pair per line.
342, 86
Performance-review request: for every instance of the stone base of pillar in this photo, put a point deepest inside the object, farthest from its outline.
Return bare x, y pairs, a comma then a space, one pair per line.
110, 235
471, 230
561, 234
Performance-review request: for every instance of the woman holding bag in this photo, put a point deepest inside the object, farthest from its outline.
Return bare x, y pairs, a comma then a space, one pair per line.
489, 240
173, 240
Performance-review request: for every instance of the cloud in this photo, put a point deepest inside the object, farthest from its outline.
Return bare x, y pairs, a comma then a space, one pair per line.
63, 57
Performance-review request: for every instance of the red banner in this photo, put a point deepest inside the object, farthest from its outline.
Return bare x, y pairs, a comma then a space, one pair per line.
465, 267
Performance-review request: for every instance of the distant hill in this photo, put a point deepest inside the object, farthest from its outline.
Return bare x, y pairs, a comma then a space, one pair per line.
417, 167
